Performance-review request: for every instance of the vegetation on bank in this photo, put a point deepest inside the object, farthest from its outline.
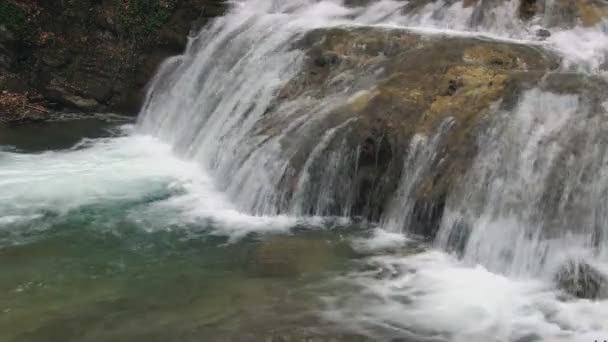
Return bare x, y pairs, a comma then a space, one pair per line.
12, 16
134, 20
141, 19
91, 55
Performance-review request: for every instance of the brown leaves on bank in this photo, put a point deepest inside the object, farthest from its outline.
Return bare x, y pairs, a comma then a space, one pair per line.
19, 106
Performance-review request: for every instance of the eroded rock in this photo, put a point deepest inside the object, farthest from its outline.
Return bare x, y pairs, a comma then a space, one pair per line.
88, 55
569, 13
60, 92
386, 86
582, 280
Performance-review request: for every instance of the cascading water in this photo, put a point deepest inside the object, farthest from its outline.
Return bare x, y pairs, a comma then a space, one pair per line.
533, 199
537, 191
209, 104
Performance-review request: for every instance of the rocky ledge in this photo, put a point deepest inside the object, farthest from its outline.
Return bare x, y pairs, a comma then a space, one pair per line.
384, 87
88, 55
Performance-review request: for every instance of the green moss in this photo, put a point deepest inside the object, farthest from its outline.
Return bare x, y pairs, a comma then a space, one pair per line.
13, 18
140, 19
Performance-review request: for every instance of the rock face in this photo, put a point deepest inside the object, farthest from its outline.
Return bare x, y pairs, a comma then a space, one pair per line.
566, 13
582, 281
93, 55
387, 86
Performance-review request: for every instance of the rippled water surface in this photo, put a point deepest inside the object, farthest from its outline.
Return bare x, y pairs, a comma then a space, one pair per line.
107, 240
174, 230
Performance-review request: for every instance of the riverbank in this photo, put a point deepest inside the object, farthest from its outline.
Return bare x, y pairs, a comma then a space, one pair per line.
88, 56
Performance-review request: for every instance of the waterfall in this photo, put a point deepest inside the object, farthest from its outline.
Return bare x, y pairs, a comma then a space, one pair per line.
536, 194
536, 183
399, 170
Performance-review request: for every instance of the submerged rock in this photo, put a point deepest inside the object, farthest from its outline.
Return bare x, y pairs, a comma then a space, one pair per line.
582, 281
96, 55
294, 336
290, 256
315, 338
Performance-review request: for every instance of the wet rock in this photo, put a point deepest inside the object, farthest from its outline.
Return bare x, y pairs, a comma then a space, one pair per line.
59, 92
590, 12
543, 33
290, 256
529, 338
569, 13
582, 280
315, 338
388, 86
88, 55
293, 336
529, 8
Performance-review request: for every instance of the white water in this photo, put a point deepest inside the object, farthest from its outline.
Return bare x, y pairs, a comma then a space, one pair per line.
205, 105
536, 194
434, 297
139, 172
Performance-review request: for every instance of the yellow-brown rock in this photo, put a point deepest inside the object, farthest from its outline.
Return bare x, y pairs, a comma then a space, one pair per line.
388, 85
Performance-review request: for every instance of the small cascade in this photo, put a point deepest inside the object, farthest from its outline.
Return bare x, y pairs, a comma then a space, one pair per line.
533, 196
421, 156
440, 167
536, 194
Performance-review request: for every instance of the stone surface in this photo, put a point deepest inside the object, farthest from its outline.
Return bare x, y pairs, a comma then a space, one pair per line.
569, 13
582, 281
91, 55
395, 84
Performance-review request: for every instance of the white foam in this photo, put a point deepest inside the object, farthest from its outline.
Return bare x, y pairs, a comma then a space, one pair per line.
122, 170
584, 49
380, 241
432, 295
206, 112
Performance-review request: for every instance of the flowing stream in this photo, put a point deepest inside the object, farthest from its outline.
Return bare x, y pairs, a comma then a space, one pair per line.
180, 228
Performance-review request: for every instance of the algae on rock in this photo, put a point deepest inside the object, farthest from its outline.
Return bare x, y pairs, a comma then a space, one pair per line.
385, 87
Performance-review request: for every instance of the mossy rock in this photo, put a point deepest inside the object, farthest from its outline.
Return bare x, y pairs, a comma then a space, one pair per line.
590, 12
569, 13
388, 86
105, 51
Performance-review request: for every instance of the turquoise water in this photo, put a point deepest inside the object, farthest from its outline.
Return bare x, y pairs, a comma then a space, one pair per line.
96, 247
126, 285
105, 235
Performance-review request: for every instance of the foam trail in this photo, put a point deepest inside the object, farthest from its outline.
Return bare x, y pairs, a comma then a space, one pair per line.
534, 196
203, 156
156, 189
434, 297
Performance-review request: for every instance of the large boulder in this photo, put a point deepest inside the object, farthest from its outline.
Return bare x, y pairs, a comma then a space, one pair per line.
290, 257
96, 55
582, 280
379, 88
